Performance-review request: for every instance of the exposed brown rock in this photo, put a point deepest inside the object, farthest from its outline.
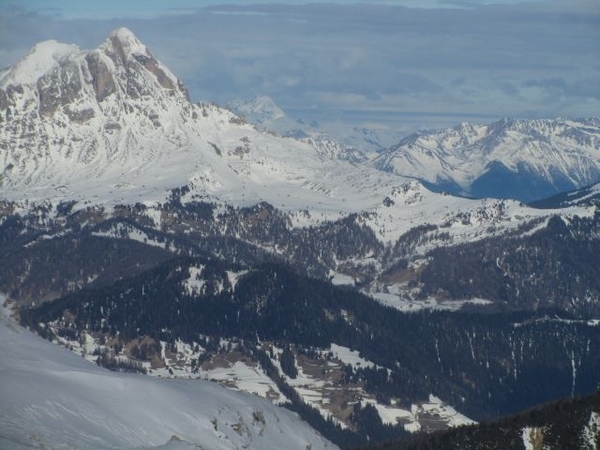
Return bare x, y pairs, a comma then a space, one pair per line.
70, 82
102, 79
111, 126
49, 93
80, 116
152, 66
3, 100
120, 51
59, 87
13, 91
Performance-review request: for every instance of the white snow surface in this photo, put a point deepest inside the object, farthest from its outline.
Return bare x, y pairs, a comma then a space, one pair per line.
591, 431
554, 149
349, 356
433, 408
54, 399
43, 57
404, 304
527, 434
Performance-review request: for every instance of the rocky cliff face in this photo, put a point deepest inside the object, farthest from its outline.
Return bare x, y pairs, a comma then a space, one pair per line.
62, 74
62, 109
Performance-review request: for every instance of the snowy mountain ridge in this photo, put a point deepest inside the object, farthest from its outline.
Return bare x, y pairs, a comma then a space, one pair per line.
263, 112
359, 140
115, 125
521, 159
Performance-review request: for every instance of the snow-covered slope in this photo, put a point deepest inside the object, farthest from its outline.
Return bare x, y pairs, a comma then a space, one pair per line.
115, 125
54, 399
521, 159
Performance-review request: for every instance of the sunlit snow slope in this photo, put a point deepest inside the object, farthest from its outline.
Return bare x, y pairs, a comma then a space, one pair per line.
51, 398
520, 159
114, 125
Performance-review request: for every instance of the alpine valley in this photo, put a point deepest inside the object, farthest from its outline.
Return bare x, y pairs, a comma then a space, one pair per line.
347, 282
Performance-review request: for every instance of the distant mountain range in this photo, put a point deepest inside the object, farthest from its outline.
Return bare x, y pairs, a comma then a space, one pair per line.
524, 160
152, 234
520, 159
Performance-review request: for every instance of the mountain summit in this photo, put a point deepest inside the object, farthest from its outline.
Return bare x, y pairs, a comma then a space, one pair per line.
114, 124
131, 68
63, 76
69, 116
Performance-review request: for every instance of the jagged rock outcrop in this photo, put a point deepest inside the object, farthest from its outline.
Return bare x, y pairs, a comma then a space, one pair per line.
63, 106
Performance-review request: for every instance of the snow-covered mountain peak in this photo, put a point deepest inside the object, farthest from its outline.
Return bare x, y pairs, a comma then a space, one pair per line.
126, 43
509, 158
67, 114
115, 125
41, 59
130, 69
122, 65
266, 115
261, 109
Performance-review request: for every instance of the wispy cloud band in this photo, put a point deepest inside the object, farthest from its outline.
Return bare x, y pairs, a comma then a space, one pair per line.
438, 64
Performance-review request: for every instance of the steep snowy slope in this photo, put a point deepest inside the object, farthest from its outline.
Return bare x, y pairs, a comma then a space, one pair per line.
520, 159
53, 399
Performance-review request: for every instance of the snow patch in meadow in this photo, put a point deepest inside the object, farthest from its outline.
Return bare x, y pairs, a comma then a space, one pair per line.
351, 357
121, 231
194, 285
340, 279
414, 419
592, 431
405, 303
234, 277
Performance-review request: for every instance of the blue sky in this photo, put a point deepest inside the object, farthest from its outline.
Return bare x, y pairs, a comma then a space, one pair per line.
364, 62
146, 8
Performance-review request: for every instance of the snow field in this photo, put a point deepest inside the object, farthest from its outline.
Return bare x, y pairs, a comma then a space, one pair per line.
54, 399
